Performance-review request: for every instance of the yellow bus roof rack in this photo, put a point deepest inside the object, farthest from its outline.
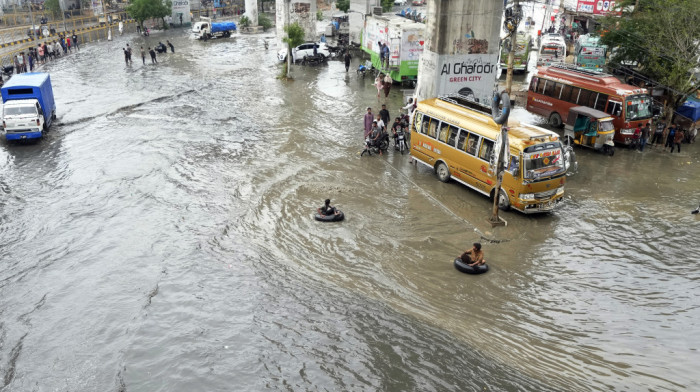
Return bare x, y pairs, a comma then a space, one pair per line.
466, 102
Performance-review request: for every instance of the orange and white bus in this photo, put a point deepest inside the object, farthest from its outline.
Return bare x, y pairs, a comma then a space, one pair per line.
554, 90
455, 137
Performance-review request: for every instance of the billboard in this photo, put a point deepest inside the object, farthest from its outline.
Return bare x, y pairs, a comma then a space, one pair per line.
598, 7
181, 12
469, 75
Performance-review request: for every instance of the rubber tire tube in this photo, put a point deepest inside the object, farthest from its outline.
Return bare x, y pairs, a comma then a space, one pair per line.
464, 268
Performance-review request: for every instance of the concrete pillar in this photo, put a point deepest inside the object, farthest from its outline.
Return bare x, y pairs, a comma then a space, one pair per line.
251, 11
290, 11
461, 55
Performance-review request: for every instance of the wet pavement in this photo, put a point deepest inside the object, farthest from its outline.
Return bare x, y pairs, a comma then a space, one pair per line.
161, 239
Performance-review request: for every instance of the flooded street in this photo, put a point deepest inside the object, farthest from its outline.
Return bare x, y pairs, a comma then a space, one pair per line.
161, 238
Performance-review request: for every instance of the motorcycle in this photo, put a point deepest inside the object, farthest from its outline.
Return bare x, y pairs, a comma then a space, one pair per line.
361, 70
400, 144
374, 147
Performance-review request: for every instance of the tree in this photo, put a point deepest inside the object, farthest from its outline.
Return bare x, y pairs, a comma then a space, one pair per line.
53, 7
343, 5
387, 5
264, 21
663, 37
142, 10
294, 38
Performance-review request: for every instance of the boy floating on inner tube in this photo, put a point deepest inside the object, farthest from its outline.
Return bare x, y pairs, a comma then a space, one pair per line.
475, 256
327, 209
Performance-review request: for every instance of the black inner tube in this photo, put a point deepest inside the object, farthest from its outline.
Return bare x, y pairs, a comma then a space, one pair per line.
501, 118
330, 218
461, 266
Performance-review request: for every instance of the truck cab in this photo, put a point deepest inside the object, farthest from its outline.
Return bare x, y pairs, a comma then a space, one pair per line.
23, 119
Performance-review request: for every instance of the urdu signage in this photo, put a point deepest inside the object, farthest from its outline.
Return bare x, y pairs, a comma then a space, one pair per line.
598, 7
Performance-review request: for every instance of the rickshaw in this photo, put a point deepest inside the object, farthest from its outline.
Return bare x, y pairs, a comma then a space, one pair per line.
590, 128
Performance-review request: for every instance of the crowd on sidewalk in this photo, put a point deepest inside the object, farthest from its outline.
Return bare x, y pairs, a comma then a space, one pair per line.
43, 53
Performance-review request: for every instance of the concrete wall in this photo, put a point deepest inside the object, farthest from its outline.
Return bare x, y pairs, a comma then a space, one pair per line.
462, 48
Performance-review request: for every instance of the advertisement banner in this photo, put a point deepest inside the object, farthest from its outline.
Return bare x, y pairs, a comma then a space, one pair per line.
374, 34
597, 7
411, 48
181, 12
468, 74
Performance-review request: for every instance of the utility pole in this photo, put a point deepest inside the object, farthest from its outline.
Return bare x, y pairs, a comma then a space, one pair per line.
511, 24
501, 155
31, 19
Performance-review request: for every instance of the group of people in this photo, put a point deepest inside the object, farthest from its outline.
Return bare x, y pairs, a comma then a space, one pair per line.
673, 136
42, 53
383, 83
376, 127
161, 48
384, 53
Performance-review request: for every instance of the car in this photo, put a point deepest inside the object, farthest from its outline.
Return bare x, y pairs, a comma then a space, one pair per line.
418, 2
304, 50
400, 2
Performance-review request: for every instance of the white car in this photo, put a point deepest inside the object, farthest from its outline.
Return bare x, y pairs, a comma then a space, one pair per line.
303, 50
400, 2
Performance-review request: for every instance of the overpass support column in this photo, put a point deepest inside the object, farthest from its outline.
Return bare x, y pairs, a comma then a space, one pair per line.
251, 11
462, 49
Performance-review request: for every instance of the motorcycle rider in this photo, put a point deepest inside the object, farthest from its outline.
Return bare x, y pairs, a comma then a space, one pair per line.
395, 127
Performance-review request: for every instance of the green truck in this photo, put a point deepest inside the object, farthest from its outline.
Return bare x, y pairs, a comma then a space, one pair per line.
523, 45
405, 39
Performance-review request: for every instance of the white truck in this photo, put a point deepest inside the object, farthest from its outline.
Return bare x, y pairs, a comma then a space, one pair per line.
206, 29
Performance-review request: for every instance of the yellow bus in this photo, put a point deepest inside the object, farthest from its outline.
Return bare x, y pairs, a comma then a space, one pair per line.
456, 137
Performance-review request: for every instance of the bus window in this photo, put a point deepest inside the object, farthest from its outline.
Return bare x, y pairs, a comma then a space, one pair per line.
432, 130
472, 143
462, 137
453, 136
514, 166
533, 84
591, 99
638, 107
557, 90
600, 103
566, 92
419, 122
540, 85
575, 91
614, 108
583, 97
444, 132
485, 151
549, 89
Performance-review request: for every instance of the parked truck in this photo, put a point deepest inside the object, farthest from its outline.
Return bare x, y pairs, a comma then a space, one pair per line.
405, 39
206, 29
28, 108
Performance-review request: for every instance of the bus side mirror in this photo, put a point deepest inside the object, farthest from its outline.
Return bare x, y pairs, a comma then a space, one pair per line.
618, 112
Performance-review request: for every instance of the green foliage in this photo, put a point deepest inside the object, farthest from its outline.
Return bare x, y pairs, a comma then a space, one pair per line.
245, 21
343, 5
387, 5
264, 22
295, 35
662, 36
319, 15
53, 7
142, 10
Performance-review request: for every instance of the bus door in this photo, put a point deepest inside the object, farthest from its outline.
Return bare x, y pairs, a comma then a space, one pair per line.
468, 142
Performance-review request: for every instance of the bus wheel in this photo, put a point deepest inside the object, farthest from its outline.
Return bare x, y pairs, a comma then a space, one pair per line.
503, 201
555, 120
443, 173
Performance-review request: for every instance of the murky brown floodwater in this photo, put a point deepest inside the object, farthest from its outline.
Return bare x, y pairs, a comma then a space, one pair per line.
161, 239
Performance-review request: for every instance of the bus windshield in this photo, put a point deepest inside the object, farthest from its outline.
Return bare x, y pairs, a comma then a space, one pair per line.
638, 107
553, 51
543, 163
